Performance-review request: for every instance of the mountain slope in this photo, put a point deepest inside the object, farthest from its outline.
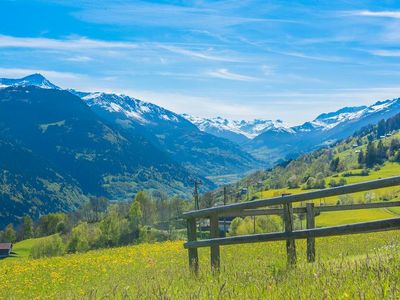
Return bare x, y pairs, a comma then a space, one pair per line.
198, 151
61, 130
30, 186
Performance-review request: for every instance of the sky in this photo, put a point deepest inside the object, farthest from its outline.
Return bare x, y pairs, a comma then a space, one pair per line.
246, 59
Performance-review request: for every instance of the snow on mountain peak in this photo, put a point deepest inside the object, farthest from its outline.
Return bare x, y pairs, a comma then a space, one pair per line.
250, 129
131, 108
34, 80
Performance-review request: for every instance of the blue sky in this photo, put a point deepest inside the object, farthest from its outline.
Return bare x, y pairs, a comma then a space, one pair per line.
245, 59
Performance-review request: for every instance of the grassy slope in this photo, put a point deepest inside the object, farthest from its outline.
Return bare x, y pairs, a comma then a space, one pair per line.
151, 271
343, 217
23, 248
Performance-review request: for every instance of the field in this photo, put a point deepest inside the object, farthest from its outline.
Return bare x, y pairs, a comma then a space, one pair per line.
359, 266
347, 267
345, 217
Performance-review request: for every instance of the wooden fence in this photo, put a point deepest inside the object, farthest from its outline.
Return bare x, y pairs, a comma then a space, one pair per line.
252, 208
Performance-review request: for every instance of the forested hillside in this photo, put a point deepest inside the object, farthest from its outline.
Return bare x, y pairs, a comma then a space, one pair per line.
55, 152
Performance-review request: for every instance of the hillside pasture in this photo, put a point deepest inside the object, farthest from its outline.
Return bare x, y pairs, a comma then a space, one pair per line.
359, 266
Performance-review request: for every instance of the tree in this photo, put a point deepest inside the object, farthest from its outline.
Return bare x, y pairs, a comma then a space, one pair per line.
293, 182
98, 206
84, 236
342, 181
371, 155
27, 228
147, 206
332, 183
48, 223
135, 219
394, 146
361, 158
9, 234
310, 183
381, 129
334, 164
48, 246
381, 152
233, 228
110, 226
207, 200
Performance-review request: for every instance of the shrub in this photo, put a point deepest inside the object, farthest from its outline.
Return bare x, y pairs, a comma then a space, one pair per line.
48, 246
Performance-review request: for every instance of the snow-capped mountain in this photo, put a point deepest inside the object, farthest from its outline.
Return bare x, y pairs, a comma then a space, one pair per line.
323, 130
182, 140
331, 120
131, 109
185, 137
34, 79
237, 131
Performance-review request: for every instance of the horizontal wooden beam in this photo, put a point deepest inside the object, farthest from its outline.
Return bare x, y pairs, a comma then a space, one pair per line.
299, 210
347, 189
365, 227
357, 206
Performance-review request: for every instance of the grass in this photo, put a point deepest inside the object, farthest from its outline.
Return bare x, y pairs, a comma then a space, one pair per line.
22, 249
344, 217
358, 266
352, 216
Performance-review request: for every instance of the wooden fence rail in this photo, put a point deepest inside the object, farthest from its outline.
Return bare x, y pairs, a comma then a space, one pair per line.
364, 227
252, 208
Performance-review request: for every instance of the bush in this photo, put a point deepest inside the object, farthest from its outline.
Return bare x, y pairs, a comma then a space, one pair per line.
84, 237
263, 224
47, 247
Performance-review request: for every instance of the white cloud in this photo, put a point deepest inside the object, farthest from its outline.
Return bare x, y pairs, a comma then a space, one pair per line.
226, 74
79, 58
199, 54
267, 70
326, 58
383, 14
385, 53
58, 44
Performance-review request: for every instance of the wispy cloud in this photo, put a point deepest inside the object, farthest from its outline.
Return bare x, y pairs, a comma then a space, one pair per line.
385, 53
226, 74
213, 15
395, 14
62, 44
200, 54
79, 58
326, 58
267, 70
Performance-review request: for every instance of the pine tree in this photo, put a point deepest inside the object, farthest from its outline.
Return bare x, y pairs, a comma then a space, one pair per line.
381, 130
361, 157
381, 152
371, 155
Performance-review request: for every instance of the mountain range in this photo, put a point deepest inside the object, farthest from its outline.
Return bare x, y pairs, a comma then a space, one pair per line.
271, 141
60, 146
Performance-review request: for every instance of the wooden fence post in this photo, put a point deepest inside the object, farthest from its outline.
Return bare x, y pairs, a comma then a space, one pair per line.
290, 243
193, 254
310, 225
214, 233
